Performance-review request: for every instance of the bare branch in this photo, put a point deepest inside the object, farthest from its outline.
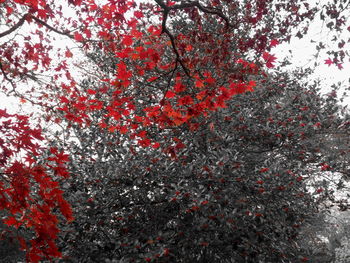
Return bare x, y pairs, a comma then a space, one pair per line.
15, 27
14, 90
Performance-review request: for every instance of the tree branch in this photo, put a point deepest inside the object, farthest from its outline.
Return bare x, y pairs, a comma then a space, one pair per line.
178, 58
15, 27
41, 22
208, 10
167, 9
6, 77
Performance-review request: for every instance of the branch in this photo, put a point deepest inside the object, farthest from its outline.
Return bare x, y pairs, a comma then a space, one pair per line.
166, 10
41, 22
178, 58
15, 27
13, 85
172, 39
208, 10
6, 77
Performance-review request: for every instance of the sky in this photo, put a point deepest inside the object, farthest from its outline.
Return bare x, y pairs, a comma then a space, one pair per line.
303, 56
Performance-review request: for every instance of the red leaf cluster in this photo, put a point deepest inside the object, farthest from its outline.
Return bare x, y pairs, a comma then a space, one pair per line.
29, 190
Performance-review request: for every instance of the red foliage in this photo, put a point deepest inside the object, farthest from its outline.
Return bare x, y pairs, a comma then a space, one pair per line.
29, 189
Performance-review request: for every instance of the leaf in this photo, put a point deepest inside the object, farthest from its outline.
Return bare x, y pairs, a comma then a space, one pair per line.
328, 62
42, 13
186, 100
78, 37
269, 59
66, 209
138, 14
127, 40
189, 48
274, 42
12, 221
91, 91
199, 84
170, 94
156, 145
264, 170
68, 54
179, 87
9, 10
123, 73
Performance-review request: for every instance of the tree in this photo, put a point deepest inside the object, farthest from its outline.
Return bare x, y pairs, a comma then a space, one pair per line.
163, 77
234, 190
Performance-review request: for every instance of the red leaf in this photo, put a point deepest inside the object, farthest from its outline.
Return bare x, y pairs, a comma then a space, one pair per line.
195, 208
11, 221
186, 100
151, 79
142, 134
138, 14
263, 170
91, 91
144, 142
9, 10
170, 94
156, 145
274, 42
68, 53
78, 37
42, 13
199, 84
189, 48
123, 73
210, 80
127, 40
179, 87
66, 210
328, 62
22, 243
269, 59
319, 190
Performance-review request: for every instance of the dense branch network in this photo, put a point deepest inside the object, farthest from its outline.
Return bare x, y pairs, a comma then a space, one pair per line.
167, 9
27, 17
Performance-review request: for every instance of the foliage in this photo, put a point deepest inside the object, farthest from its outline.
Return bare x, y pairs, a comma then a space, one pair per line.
29, 189
234, 190
185, 141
